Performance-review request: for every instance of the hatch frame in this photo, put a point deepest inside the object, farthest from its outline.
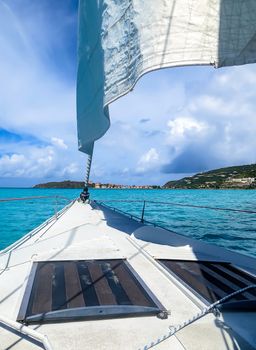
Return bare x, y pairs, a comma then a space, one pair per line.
91, 312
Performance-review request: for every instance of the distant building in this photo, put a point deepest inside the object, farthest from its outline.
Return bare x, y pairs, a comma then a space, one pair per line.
244, 180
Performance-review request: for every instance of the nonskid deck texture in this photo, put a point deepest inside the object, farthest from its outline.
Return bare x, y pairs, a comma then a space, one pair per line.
94, 233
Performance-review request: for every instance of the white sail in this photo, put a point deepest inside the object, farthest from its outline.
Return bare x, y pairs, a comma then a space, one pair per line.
120, 40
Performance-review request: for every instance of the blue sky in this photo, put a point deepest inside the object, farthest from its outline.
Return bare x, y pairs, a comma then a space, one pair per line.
175, 122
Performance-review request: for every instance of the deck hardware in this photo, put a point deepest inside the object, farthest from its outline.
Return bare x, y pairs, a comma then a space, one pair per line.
216, 312
56, 208
163, 315
143, 211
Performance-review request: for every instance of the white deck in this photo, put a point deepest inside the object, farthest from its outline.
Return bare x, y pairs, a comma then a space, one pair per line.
86, 232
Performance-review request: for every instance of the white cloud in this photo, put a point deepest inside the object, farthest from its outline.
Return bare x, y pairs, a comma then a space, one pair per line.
12, 165
58, 142
71, 169
148, 161
39, 162
221, 125
150, 157
185, 126
184, 130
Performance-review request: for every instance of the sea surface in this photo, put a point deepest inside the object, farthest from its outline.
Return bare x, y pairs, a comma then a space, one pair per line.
233, 230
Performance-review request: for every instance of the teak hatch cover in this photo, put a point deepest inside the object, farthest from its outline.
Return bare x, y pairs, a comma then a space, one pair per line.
60, 291
212, 281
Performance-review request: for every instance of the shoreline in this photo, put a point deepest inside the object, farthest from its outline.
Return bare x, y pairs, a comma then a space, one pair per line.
132, 188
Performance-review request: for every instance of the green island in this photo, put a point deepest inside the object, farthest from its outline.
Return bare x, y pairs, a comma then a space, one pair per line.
236, 177
61, 184
80, 184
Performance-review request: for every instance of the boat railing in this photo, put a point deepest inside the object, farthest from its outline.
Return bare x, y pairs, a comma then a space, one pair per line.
173, 204
145, 204
56, 197
26, 331
57, 214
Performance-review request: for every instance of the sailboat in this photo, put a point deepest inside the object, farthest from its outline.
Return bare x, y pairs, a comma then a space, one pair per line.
93, 278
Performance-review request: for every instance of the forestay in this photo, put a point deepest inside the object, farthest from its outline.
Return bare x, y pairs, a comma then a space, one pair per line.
120, 40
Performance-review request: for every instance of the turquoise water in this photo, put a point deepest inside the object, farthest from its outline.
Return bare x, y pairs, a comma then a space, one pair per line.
235, 231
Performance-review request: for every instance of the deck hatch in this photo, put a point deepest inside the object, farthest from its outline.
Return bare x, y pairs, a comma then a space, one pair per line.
71, 290
211, 281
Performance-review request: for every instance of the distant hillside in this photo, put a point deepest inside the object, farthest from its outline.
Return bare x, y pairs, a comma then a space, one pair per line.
78, 184
243, 176
62, 184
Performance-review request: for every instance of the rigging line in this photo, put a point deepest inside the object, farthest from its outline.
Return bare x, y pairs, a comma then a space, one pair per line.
34, 197
180, 205
23, 198
211, 308
207, 207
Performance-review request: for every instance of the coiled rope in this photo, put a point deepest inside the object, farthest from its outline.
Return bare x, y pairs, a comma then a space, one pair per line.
205, 311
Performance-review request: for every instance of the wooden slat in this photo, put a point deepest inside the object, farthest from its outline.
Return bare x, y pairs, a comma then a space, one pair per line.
196, 281
89, 294
133, 291
73, 286
250, 278
239, 274
212, 280
59, 300
224, 281
114, 283
209, 276
236, 275
41, 295
101, 286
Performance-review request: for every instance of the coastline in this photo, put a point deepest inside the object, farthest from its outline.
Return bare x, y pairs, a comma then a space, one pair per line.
132, 188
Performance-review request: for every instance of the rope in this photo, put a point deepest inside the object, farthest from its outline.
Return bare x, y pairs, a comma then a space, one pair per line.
34, 197
22, 198
207, 207
178, 204
205, 311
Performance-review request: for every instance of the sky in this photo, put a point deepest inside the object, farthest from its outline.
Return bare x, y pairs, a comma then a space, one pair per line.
176, 122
